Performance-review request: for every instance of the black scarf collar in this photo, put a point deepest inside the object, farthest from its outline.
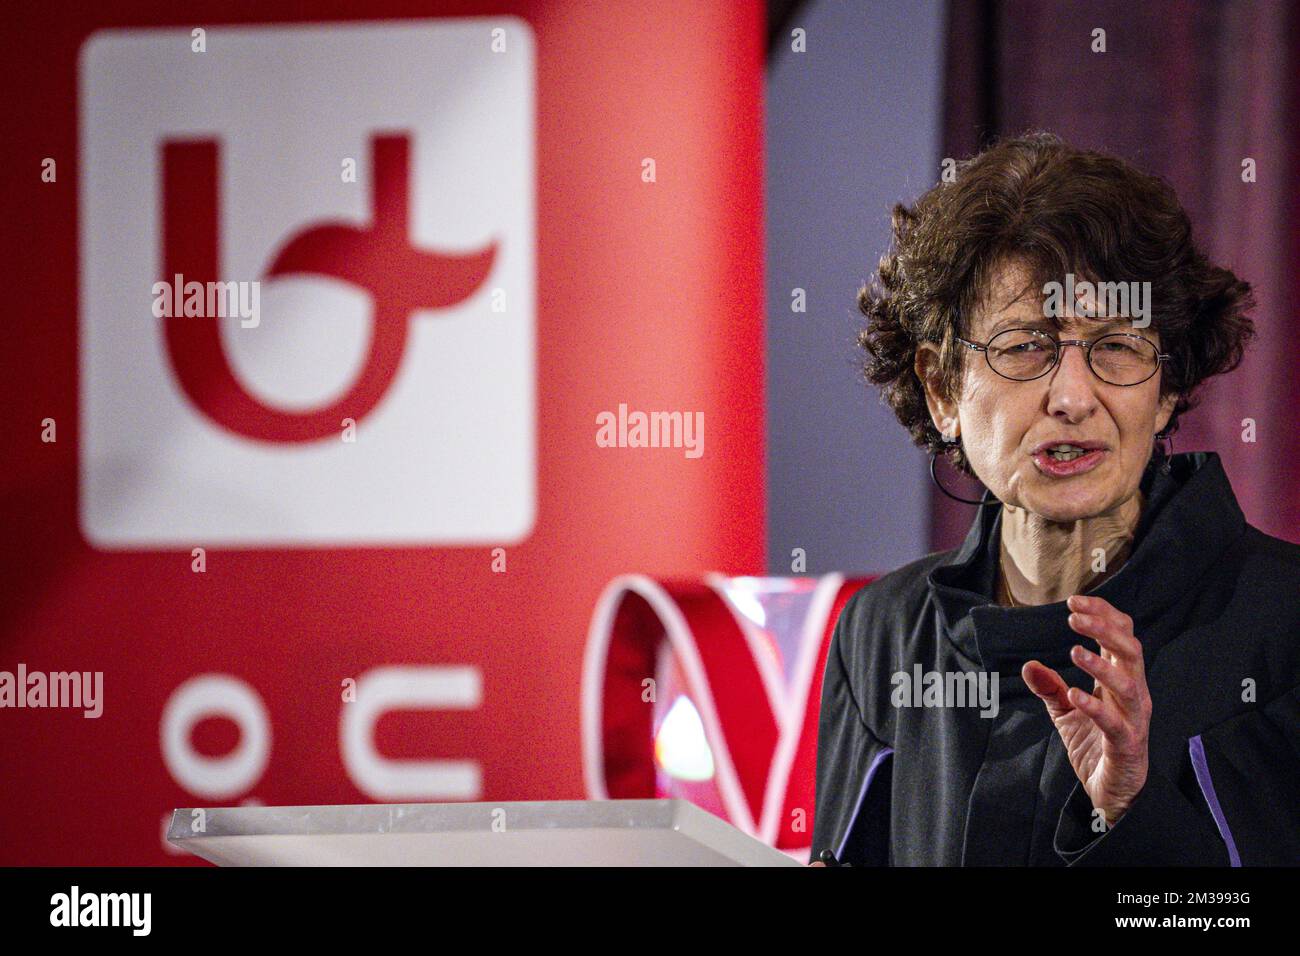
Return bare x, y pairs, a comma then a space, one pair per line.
1190, 517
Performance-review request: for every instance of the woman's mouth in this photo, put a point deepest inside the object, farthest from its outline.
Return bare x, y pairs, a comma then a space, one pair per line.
1064, 459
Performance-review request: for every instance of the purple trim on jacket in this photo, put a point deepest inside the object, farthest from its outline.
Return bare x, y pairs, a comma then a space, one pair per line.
1202, 767
862, 795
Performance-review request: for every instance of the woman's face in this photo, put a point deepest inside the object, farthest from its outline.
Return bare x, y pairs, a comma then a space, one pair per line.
1003, 424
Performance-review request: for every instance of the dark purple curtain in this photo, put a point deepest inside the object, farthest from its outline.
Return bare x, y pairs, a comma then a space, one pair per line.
1186, 90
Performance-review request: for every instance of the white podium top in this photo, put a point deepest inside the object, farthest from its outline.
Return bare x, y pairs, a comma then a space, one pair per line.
538, 833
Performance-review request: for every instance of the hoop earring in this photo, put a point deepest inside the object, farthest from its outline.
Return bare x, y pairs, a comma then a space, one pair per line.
934, 457
1164, 451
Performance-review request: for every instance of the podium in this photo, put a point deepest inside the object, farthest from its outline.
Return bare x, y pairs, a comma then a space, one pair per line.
538, 833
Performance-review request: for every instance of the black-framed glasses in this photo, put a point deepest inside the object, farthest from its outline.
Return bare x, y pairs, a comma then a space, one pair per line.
1022, 355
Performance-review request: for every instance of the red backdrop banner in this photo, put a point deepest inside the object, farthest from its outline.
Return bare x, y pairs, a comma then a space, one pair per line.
554, 210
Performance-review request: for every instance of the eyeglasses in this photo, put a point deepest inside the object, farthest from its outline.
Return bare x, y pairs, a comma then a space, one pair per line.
1022, 355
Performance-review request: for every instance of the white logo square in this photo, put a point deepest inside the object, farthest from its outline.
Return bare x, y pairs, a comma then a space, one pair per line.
228, 439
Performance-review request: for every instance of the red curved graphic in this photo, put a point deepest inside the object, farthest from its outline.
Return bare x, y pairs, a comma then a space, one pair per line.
746, 726
378, 258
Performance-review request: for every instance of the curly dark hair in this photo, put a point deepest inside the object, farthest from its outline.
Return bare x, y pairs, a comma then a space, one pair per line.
1057, 209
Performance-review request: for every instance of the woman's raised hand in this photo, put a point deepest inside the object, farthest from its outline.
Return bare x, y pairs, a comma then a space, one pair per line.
1105, 732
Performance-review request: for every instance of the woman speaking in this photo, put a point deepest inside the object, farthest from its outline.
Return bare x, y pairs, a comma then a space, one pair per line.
1106, 671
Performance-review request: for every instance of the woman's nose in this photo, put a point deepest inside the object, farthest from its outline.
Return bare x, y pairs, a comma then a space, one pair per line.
1071, 388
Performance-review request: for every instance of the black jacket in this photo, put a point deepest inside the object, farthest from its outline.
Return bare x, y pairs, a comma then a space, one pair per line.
1216, 605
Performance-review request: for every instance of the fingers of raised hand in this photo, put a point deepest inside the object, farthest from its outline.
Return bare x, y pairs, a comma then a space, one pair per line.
1048, 686
1111, 628
1115, 677
1105, 715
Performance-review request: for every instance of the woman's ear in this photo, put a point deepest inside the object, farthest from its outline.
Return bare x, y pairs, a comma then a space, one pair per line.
1166, 410
943, 411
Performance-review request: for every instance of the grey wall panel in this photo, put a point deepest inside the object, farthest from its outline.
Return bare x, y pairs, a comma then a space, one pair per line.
853, 126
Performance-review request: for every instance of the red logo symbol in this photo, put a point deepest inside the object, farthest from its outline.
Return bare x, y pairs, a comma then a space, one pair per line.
381, 259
